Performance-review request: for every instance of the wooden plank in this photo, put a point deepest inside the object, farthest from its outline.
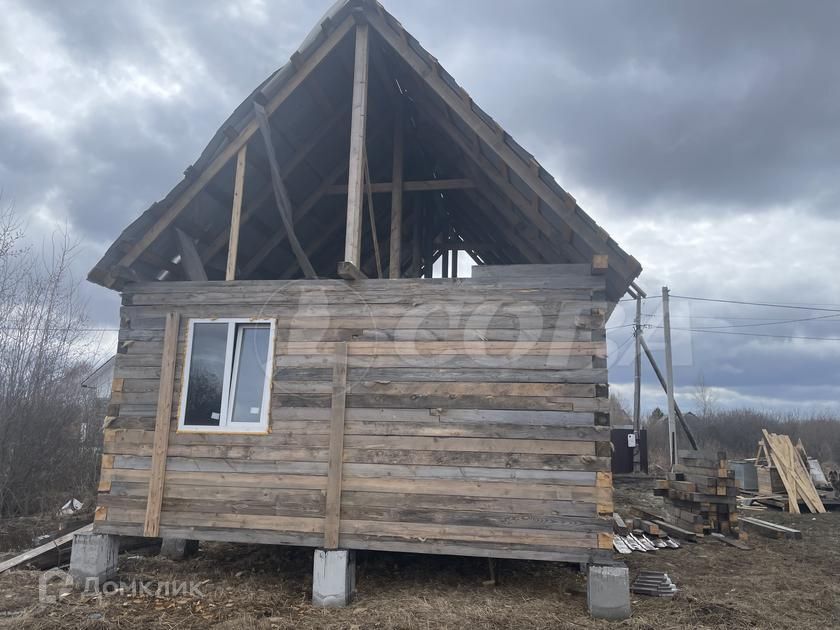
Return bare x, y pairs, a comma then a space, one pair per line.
358, 125
190, 260
11, 563
281, 195
163, 418
236, 213
336, 456
400, 186
395, 256
183, 200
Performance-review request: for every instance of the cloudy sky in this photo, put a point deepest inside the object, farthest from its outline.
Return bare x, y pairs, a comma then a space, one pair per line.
704, 136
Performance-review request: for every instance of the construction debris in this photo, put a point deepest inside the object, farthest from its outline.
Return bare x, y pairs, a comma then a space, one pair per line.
778, 459
701, 494
771, 530
645, 536
653, 584
49, 547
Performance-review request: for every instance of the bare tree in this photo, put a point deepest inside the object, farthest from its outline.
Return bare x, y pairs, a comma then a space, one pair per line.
44, 453
705, 398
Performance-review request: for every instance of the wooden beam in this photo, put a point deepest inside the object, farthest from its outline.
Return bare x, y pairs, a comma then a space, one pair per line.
226, 154
151, 526
410, 186
349, 271
373, 233
236, 213
286, 171
395, 239
281, 195
496, 139
600, 264
332, 512
416, 240
40, 550
190, 260
358, 125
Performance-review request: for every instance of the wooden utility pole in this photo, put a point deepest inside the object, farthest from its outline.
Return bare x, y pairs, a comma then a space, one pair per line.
358, 124
669, 373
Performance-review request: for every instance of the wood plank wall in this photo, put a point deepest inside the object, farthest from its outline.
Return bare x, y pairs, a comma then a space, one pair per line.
476, 416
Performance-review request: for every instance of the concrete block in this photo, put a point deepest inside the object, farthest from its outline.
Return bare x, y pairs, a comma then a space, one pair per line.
608, 592
93, 557
178, 548
333, 578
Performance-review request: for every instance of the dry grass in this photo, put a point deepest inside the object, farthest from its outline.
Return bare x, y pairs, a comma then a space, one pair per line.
778, 584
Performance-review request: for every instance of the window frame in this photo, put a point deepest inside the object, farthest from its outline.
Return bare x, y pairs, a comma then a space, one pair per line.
231, 363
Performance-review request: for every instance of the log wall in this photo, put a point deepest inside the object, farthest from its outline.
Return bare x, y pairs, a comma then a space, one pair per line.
476, 416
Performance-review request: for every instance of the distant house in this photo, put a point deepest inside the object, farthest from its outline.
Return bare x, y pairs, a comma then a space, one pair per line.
289, 371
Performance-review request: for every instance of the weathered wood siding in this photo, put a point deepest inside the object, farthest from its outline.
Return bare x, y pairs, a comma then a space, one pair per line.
476, 416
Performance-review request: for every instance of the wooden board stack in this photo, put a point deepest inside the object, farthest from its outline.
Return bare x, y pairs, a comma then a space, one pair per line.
701, 494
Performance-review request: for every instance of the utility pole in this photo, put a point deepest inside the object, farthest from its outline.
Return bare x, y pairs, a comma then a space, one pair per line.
637, 381
669, 373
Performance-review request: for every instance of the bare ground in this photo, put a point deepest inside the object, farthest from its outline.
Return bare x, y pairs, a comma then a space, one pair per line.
777, 584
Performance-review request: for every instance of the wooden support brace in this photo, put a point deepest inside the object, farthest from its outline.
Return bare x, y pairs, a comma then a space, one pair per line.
395, 257
332, 514
236, 213
190, 260
358, 124
151, 526
284, 204
373, 232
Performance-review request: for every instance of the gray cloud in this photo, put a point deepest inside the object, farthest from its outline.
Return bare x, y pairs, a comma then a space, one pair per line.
703, 136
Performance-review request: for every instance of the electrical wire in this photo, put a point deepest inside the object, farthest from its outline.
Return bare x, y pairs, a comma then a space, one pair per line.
744, 334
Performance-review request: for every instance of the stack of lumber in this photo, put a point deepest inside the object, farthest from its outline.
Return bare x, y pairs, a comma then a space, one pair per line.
701, 494
778, 456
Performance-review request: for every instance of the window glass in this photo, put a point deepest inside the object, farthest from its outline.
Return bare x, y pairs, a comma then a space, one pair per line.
207, 374
249, 372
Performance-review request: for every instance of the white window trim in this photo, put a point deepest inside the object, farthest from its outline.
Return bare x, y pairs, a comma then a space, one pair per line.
225, 425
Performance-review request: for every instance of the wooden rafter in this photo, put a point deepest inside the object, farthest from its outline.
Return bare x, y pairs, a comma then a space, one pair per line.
252, 208
231, 149
281, 195
492, 135
275, 240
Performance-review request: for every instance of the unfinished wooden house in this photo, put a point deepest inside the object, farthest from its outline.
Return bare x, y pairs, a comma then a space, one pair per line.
299, 362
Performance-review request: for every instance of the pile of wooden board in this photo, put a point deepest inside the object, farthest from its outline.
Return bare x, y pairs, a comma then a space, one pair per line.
779, 459
700, 494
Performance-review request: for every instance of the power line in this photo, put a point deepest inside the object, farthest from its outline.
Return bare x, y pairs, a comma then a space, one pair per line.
766, 323
744, 334
766, 304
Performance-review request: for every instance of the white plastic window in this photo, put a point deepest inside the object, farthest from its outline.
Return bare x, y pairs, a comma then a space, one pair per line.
227, 376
